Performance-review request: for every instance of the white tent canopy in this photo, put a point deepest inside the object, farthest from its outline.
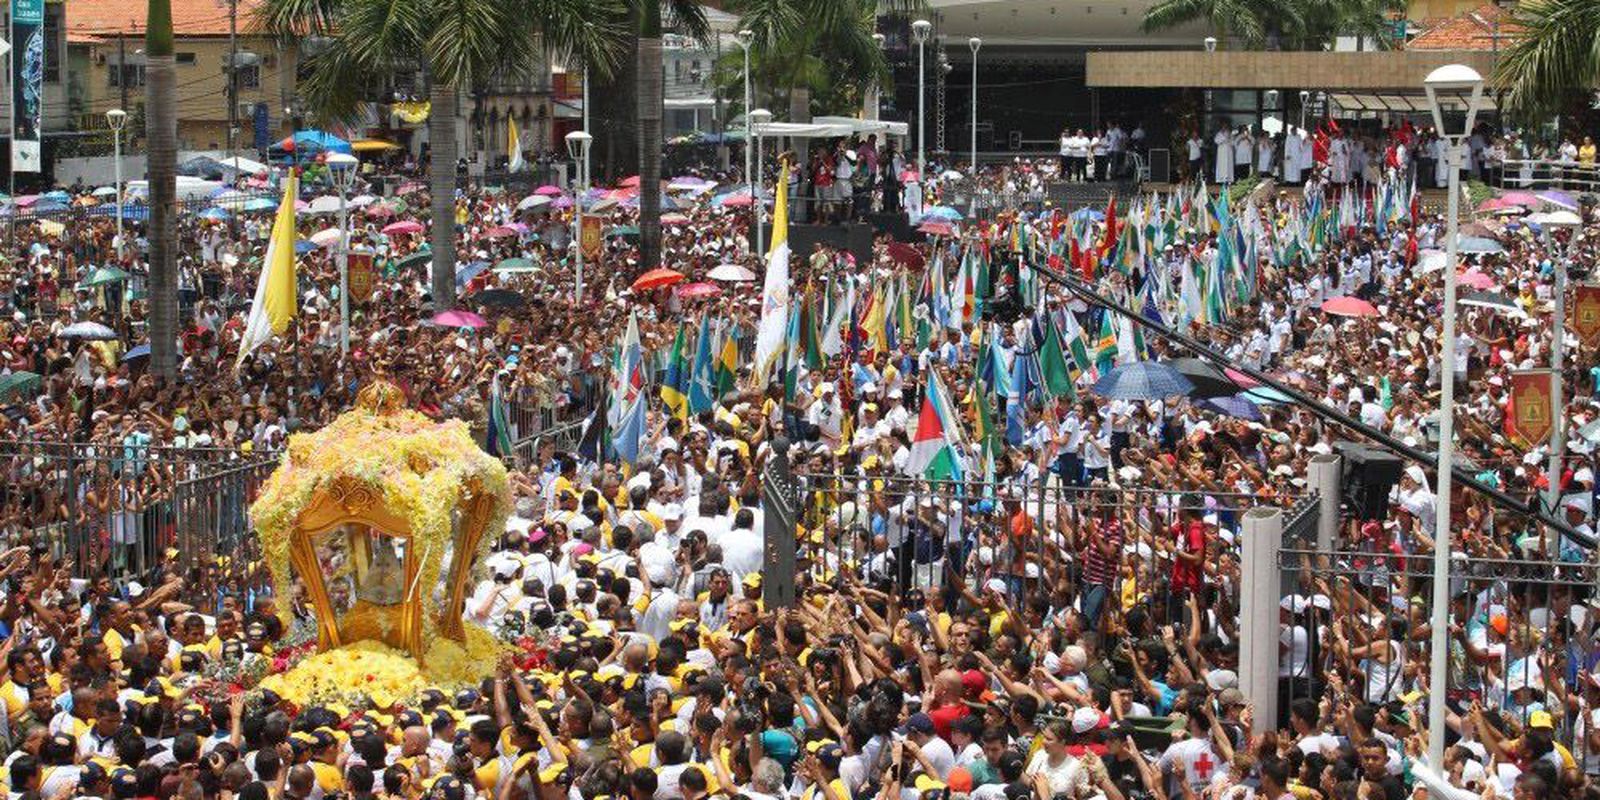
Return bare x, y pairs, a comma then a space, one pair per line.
834, 127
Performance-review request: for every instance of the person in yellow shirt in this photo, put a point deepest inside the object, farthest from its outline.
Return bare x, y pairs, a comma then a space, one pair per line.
1586, 153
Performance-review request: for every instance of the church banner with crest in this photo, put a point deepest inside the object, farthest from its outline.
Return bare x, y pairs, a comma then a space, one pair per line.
1532, 418
1586, 312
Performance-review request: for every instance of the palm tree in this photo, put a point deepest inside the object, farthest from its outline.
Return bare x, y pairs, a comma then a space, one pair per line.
161, 133
1553, 57
823, 48
1276, 24
1247, 20
455, 43
690, 19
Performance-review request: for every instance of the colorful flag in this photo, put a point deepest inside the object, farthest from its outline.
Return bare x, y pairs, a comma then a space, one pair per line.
725, 372
1105, 356
701, 387
934, 452
1053, 370
775, 290
499, 442
514, 161
275, 303
675, 386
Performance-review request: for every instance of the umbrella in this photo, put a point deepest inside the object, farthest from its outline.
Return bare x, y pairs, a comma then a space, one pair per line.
105, 191
1561, 199
950, 175
361, 201
562, 202
503, 298
697, 290
548, 190
533, 201
1238, 407
631, 180
404, 226
1091, 214
674, 219
1348, 306
102, 276
410, 186
1478, 244
1560, 218
304, 246
1474, 279
515, 265
1265, 396
19, 383
259, 204
1491, 300
1524, 199
623, 230
656, 278
736, 200
1142, 380
215, 213
905, 255
142, 351
459, 319
731, 273
1494, 204
326, 204
469, 271
1431, 260
415, 259
1240, 379
88, 331
937, 227
326, 237
942, 212
1208, 380
499, 232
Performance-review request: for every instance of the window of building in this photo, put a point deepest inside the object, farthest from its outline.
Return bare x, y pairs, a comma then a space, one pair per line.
249, 77
130, 75
185, 58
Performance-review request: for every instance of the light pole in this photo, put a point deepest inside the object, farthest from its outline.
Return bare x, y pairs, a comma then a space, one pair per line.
1210, 43
972, 166
744, 38
1305, 97
117, 118
578, 149
1558, 432
920, 31
758, 120
1459, 83
875, 91
342, 168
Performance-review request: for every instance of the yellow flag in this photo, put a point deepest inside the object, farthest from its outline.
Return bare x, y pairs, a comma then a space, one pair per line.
275, 300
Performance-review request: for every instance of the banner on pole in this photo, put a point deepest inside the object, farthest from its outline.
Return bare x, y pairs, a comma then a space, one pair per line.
1586, 312
589, 239
27, 83
1532, 419
360, 276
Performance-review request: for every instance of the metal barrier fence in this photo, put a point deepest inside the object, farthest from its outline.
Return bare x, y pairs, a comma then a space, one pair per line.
1536, 174
1522, 636
115, 509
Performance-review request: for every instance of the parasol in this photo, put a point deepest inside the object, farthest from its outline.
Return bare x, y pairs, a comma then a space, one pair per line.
1348, 306
657, 278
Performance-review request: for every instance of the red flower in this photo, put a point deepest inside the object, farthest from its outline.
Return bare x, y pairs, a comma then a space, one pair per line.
371, 678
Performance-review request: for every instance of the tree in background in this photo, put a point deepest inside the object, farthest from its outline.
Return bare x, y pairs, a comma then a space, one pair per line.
687, 17
161, 144
1281, 24
1553, 63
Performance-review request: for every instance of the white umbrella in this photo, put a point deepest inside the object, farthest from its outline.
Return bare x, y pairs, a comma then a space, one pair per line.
326, 237
362, 201
88, 331
1562, 217
950, 175
326, 204
731, 273
105, 191
232, 199
1431, 260
533, 201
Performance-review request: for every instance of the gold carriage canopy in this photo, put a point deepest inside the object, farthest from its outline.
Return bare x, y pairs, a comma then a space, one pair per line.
367, 510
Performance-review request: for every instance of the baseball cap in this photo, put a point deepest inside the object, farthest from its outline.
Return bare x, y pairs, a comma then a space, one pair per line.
919, 723
1085, 719
1541, 719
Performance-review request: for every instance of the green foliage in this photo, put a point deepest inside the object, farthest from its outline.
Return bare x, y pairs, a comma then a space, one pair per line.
1239, 190
1282, 24
1555, 55
1477, 192
824, 46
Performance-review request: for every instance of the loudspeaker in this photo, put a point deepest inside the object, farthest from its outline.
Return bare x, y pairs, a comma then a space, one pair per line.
1160, 165
1367, 477
854, 237
895, 225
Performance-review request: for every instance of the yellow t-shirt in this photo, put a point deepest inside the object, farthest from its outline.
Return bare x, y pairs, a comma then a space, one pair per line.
329, 779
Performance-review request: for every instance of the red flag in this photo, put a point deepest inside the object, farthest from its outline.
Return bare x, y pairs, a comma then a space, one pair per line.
1110, 239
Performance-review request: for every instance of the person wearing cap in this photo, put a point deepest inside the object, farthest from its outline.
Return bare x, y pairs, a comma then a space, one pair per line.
929, 750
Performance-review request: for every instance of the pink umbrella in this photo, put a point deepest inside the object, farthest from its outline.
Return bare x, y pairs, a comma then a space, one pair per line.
936, 227
1349, 307
741, 200
548, 190
379, 210
673, 219
697, 290
499, 232
409, 187
1494, 203
1244, 381
631, 180
403, 226
1475, 279
25, 200
1524, 199
459, 319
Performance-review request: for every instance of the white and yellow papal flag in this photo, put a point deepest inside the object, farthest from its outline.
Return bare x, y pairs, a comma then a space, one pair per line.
774, 325
275, 301
514, 162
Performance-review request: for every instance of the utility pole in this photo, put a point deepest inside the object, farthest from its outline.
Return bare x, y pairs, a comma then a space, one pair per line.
233, 78
122, 68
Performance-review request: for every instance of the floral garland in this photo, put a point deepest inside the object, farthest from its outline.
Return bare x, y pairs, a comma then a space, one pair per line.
422, 469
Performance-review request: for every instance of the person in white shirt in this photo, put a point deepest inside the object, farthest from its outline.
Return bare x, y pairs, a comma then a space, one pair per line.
1196, 152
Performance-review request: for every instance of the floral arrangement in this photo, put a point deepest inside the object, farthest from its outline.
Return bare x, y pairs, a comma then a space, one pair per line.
373, 675
424, 470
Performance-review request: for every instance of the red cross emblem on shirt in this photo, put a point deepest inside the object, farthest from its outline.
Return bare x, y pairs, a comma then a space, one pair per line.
1203, 765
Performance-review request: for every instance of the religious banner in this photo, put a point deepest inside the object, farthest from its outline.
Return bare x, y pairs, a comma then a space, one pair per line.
1586, 312
589, 239
1532, 418
362, 276
27, 83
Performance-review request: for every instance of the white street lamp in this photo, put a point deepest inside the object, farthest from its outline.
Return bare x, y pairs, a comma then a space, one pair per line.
578, 148
342, 168
745, 38
974, 43
1211, 44
117, 118
1457, 85
874, 90
758, 120
1558, 433
920, 31
1305, 97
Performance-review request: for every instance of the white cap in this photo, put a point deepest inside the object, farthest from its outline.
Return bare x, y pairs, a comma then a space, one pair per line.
995, 585
1415, 473
1219, 679
1085, 719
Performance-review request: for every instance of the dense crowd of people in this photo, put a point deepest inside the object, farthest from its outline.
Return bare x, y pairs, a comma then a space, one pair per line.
1055, 618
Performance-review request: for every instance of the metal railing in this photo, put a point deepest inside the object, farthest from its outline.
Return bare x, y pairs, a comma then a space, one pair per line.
1544, 173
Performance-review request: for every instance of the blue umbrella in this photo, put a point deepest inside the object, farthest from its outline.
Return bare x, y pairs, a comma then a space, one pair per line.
258, 204
1265, 396
58, 195
1238, 407
1142, 380
303, 246
1091, 214
132, 213
314, 141
1478, 244
142, 351
47, 205
216, 213
942, 212
470, 271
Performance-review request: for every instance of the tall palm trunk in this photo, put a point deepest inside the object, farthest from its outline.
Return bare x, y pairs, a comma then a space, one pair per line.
442, 188
161, 135
651, 95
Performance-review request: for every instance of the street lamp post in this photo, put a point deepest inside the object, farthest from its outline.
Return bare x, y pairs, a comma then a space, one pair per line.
342, 168
578, 149
1459, 83
1305, 97
1558, 431
117, 118
758, 120
745, 37
920, 31
875, 90
974, 43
